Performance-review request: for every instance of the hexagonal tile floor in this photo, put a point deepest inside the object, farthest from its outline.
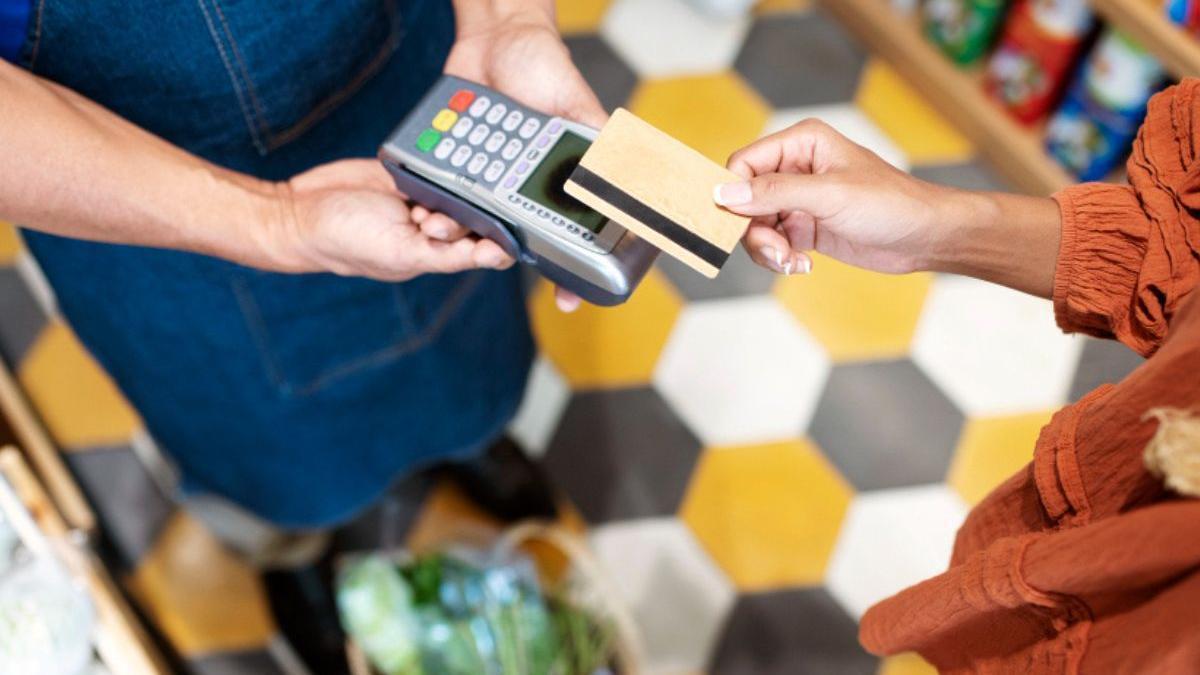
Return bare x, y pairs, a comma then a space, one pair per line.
744, 453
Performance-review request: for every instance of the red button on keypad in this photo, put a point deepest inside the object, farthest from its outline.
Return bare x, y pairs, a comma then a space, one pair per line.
461, 99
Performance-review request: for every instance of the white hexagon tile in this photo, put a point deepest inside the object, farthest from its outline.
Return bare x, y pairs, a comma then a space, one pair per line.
994, 350
667, 38
892, 539
546, 397
741, 371
851, 122
679, 598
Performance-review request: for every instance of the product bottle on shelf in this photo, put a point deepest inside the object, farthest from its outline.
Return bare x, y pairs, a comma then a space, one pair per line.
1039, 44
1186, 13
1101, 113
963, 29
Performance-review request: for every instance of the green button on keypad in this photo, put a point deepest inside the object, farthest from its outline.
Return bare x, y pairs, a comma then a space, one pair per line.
427, 140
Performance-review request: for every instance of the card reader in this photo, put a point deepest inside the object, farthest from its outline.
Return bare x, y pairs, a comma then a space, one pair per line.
498, 168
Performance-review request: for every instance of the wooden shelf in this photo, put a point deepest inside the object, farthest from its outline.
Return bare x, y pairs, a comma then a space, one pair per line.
1016, 151
1146, 22
121, 642
37, 446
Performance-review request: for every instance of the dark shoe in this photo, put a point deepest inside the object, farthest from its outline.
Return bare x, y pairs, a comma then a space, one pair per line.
305, 610
506, 483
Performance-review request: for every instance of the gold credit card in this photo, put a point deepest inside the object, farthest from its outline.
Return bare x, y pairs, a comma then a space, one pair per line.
661, 190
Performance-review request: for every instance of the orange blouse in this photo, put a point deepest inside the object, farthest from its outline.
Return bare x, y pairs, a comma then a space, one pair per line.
1083, 562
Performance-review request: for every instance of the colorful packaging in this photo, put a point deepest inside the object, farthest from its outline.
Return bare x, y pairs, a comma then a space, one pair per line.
1040, 43
1186, 13
963, 29
1104, 107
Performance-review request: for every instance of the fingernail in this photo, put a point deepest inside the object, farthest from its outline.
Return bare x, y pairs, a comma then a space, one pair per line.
440, 232
494, 259
805, 265
732, 194
774, 261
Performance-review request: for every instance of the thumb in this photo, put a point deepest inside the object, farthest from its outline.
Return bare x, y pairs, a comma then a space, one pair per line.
771, 193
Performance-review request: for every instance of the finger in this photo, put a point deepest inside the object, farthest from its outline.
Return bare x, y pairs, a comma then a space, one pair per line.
777, 193
566, 301
418, 213
769, 248
488, 254
442, 227
800, 228
792, 149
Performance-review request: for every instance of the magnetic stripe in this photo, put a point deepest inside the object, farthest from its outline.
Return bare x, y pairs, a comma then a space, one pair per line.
652, 219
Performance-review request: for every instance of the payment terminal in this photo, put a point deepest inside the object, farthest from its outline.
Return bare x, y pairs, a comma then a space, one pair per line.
498, 168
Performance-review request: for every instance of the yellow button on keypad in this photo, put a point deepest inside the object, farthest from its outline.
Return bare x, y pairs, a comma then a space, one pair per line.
445, 119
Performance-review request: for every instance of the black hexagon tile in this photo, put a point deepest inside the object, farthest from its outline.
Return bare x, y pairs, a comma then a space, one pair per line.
21, 318
251, 662
797, 632
973, 175
1102, 362
129, 504
611, 79
621, 454
884, 424
801, 59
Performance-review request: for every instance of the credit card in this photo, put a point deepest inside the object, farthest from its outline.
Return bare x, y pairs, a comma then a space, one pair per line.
661, 190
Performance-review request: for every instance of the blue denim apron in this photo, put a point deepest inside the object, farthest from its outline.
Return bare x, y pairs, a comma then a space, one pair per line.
298, 397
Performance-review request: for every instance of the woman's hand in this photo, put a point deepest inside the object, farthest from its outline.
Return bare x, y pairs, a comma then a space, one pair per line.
347, 217
808, 188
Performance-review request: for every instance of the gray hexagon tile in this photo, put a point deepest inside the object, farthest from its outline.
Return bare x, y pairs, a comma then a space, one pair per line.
739, 277
679, 598
22, 316
792, 632
884, 424
666, 38
741, 371
251, 662
973, 175
622, 454
610, 77
129, 504
801, 59
1102, 362
890, 540
546, 396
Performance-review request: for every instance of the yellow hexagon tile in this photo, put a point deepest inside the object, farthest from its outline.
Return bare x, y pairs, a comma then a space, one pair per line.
909, 663
10, 243
992, 449
580, 16
853, 313
768, 515
607, 346
448, 515
924, 135
201, 595
715, 114
781, 6
74, 396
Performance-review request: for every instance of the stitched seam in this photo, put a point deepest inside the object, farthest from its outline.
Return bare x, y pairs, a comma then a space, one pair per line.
331, 102
37, 34
237, 55
237, 85
400, 349
258, 330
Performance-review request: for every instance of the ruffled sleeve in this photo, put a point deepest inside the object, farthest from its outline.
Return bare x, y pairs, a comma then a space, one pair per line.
1131, 253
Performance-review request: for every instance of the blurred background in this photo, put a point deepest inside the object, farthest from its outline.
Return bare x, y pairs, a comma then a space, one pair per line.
755, 459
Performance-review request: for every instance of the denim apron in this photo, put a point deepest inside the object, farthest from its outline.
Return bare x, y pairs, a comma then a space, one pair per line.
298, 397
